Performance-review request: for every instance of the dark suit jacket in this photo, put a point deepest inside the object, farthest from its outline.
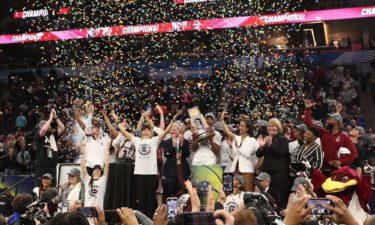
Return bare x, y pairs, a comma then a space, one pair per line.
276, 156
170, 165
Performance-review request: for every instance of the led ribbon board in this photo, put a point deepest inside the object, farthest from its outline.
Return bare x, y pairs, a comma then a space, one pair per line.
38, 13
245, 21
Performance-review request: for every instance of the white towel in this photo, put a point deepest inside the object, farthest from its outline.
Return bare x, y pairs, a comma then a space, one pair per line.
52, 141
74, 194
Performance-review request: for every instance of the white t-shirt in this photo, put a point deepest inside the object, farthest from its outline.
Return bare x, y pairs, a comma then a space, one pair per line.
124, 146
204, 154
146, 155
226, 157
233, 202
96, 150
94, 194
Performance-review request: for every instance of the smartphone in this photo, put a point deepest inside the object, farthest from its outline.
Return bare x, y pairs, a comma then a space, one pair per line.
228, 182
203, 189
88, 211
111, 216
319, 208
172, 205
199, 218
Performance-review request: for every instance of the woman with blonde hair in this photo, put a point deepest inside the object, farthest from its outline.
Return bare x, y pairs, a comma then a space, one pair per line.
71, 190
275, 153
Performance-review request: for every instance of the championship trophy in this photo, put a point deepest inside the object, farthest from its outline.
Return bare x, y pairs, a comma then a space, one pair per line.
199, 122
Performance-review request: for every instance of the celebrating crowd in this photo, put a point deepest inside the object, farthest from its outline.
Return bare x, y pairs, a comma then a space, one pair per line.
276, 151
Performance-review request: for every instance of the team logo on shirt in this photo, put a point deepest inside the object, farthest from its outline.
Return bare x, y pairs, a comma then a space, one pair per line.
231, 206
93, 190
144, 149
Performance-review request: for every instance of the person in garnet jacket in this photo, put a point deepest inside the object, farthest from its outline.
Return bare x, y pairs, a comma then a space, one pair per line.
275, 152
332, 140
176, 168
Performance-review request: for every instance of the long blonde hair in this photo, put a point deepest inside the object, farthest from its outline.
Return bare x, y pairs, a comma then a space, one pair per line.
67, 184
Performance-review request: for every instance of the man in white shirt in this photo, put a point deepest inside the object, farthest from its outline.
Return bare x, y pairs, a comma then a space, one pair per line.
206, 150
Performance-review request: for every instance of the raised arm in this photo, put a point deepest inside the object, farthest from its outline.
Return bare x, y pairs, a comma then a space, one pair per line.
162, 122
126, 134
113, 132
45, 127
162, 135
106, 161
225, 127
77, 114
308, 120
140, 121
148, 120
83, 159
60, 125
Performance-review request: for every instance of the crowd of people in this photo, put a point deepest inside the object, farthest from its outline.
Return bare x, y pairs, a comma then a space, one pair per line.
272, 150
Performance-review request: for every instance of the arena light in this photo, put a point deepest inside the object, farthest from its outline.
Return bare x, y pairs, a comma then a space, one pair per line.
245, 21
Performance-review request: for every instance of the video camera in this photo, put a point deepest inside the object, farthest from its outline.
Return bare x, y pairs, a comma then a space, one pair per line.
263, 206
36, 210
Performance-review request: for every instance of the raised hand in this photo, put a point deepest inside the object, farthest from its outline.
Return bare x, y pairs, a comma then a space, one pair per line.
308, 103
338, 107
51, 115
114, 115
261, 141
160, 215
210, 200
54, 113
268, 140
342, 213
298, 213
223, 115
104, 112
127, 216
177, 114
159, 109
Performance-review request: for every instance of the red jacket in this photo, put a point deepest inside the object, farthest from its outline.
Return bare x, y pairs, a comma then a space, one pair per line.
332, 143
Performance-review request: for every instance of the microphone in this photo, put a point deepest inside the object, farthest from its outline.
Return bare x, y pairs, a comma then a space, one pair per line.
46, 196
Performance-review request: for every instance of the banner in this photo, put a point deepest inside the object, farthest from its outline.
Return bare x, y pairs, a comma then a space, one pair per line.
245, 21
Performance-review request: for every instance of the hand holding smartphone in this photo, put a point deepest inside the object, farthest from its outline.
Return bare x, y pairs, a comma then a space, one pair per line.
172, 205
88, 211
228, 183
319, 208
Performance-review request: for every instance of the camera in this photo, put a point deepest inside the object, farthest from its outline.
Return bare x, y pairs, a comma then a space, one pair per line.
261, 207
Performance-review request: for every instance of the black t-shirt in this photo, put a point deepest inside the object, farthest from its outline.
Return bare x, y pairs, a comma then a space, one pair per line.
45, 155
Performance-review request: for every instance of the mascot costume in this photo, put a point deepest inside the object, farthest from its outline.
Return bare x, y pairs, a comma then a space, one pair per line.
346, 184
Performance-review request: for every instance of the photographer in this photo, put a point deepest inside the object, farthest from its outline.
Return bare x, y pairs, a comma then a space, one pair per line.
46, 146
20, 204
